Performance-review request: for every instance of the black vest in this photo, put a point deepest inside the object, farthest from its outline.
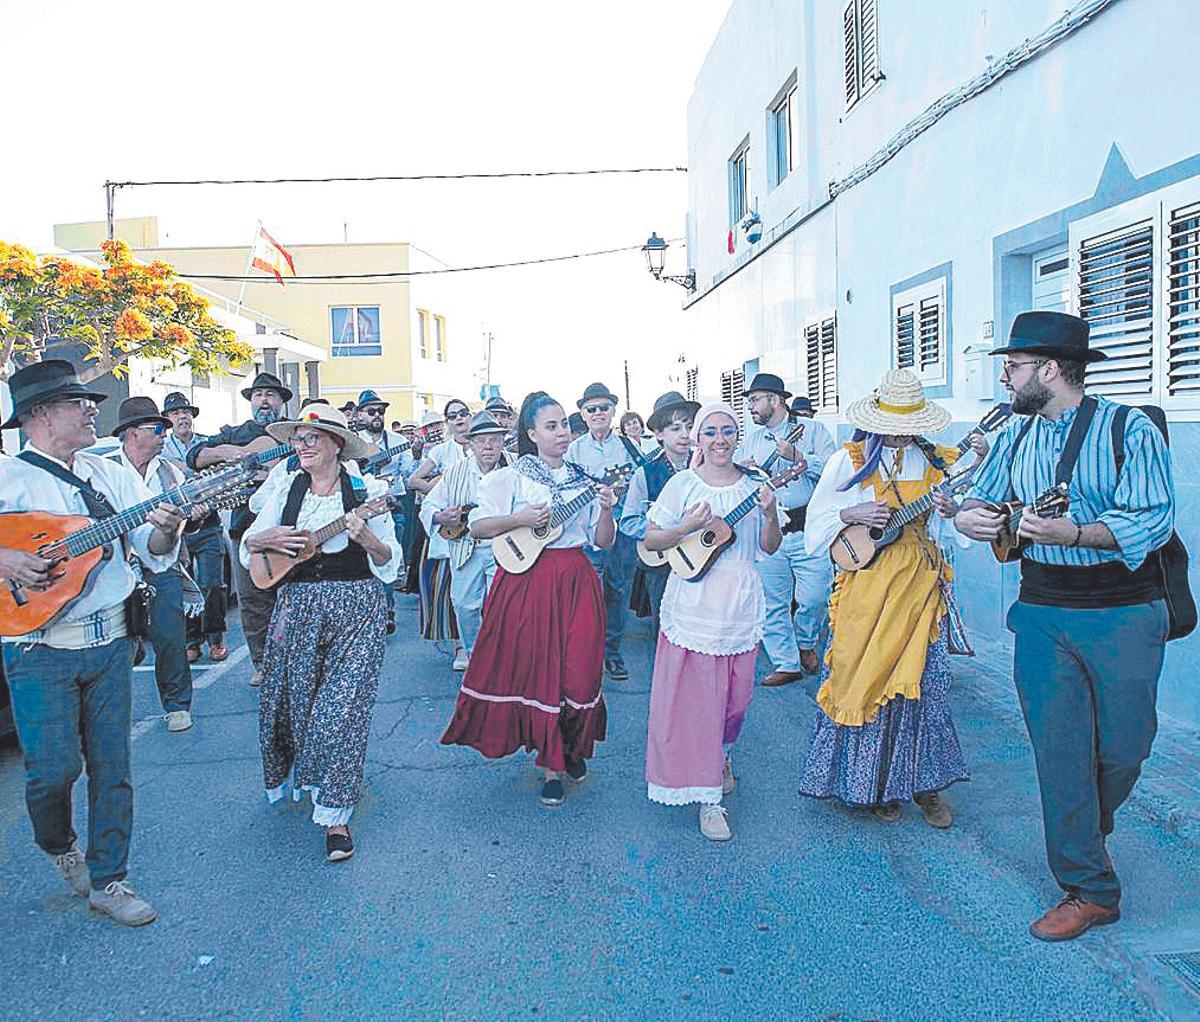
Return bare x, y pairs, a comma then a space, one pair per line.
658, 471
347, 565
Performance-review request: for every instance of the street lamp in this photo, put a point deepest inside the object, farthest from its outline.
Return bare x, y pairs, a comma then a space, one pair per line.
655, 251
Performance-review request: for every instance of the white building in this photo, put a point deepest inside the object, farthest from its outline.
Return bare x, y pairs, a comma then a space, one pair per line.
925, 171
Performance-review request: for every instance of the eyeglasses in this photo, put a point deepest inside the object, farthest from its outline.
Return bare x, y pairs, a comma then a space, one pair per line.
462, 413
309, 440
711, 432
157, 428
1008, 366
593, 409
83, 404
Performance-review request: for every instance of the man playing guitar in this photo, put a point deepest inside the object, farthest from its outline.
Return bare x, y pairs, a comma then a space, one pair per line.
71, 681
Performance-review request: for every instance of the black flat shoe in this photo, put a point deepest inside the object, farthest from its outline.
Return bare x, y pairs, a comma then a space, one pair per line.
338, 847
576, 770
616, 668
553, 793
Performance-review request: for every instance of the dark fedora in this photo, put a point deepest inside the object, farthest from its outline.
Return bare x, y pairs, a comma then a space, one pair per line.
801, 406
578, 426
177, 401
666, 404
135, 411
483, 424
1055, 334
596, 392
42, 382
267, 381
369, 397
768, 383
498, 404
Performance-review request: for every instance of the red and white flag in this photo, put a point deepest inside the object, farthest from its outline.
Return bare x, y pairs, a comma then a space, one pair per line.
271, 257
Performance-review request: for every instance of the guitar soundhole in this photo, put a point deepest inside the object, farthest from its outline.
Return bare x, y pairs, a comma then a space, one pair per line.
708, 537
541, 532
875, 533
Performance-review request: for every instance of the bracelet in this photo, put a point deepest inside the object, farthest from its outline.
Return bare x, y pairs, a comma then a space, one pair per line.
1078, 536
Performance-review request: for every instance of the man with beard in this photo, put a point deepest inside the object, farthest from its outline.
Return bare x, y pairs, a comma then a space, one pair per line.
267, 396
1090, 618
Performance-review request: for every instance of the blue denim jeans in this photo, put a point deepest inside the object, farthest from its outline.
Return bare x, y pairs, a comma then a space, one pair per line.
72, 706
615, 568
168, 636
208, 564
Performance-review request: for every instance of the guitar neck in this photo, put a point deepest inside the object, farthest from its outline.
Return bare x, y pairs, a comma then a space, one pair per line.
751, 501
791, 438
338, 525
105, 530
271, 454
571, 508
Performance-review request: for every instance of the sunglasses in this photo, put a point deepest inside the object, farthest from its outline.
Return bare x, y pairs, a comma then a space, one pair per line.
157, 428
373, 409
711, 432
593, 409
462, 413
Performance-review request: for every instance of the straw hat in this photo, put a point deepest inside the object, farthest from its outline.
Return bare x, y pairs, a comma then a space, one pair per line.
898, 407
327, 418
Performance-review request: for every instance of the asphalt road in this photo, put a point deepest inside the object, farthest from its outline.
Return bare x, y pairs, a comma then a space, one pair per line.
468, 900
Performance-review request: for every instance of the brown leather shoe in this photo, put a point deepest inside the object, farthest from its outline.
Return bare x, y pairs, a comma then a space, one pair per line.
777, 678
936, 812
217, 651
810, 663
193, 654
1071, 917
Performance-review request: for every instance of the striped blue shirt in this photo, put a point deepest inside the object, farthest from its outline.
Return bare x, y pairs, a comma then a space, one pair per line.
1139, 510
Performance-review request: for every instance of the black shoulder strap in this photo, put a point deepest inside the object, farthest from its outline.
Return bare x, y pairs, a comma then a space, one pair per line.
97, 504
291, 509
1079, 428
1120, 417
632, 449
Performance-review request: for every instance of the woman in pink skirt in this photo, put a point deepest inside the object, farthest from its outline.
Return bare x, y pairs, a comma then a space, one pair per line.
704, 665
533, 681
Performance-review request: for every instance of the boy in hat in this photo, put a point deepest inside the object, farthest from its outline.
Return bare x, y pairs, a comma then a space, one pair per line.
596, 452
1090, 619
268, 398
71, 681
791, 573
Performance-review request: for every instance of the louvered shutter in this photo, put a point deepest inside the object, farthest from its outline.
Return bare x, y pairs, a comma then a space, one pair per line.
929, 352
868, 36
812, 362
850, 52
820, 363
905, 336
1183, 302
1116, 297
693, 382
733, 385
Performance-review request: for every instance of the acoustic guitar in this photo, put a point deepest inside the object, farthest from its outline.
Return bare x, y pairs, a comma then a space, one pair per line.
457, 528
1053, 503
518, 550
76, 545
856, 546
268, 567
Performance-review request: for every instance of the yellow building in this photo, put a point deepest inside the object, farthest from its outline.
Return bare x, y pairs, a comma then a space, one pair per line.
400, 338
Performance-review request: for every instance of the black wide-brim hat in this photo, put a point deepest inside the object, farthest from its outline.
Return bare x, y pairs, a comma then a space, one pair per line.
594, 392
41, 382
267, 381
177, 401
1054, 334
768, 383
135, 411
666, 404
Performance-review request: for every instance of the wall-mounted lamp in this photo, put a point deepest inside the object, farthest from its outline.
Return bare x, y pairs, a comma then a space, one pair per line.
655, 251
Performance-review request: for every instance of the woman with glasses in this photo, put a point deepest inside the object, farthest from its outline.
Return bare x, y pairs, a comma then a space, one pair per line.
326, 639
533, 680
710, 628
437, 610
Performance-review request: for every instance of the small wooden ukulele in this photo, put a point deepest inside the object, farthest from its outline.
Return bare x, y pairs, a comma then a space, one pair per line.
457, 528
1053, 503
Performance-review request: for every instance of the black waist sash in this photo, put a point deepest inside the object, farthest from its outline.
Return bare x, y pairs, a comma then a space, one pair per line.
1089, 586
349, 565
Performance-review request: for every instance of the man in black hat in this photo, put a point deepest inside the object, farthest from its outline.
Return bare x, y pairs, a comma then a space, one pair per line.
801, 408
71, 680
1090, 619
791, 574
267, 396
506, 415
142, 431
600, 449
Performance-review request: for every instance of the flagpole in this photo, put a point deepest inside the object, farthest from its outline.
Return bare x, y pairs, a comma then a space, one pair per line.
249, 266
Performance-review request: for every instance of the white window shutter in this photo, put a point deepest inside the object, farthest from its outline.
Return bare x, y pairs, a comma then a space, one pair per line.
812, 362
1183, 302
850, 54
868, 35
904, 337
829, 392
929, 348
1116, 297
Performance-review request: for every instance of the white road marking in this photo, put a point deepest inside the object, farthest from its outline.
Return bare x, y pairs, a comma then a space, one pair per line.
213, 674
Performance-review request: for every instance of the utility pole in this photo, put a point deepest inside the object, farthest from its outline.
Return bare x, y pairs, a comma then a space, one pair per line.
628, 403
110, 199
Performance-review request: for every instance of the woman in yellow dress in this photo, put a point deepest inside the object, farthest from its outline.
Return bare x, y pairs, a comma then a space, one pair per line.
883, 734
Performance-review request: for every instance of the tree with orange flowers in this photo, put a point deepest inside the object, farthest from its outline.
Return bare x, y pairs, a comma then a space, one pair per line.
115, 312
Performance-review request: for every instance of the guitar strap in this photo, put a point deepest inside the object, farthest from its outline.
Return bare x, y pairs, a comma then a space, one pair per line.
98, 505
1070, 453
632, 450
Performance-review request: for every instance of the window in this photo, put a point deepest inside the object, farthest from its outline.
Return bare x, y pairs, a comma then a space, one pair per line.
919, 340
693, 383
860, 49
423, 332
733, 391
820, 363
785, 133
439, 334
355, 330
1135, 277
739, 184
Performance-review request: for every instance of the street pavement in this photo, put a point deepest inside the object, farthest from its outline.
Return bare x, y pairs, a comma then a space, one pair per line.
468, 900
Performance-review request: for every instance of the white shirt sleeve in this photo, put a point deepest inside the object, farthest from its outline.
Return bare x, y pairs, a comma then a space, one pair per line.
435, 501
824, 521
667, 510
385, 530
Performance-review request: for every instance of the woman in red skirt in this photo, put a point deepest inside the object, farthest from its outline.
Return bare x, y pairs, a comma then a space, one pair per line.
534, 677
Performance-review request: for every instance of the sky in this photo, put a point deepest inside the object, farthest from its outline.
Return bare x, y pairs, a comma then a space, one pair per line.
132, 90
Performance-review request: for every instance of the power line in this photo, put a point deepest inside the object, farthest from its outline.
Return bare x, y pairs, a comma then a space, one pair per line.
386, 276
493, 175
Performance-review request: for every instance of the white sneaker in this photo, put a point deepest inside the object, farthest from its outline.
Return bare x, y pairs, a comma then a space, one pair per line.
256, 679
714, 823
118, 901
179, 720
728, 781
72, 867
461, 659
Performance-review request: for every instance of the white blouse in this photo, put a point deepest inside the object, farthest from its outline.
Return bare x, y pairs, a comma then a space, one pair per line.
824, 521
317, 512
505, 491
723, 613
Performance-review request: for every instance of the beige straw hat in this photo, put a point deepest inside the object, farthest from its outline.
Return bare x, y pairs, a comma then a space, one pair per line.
324, 417
898, 407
